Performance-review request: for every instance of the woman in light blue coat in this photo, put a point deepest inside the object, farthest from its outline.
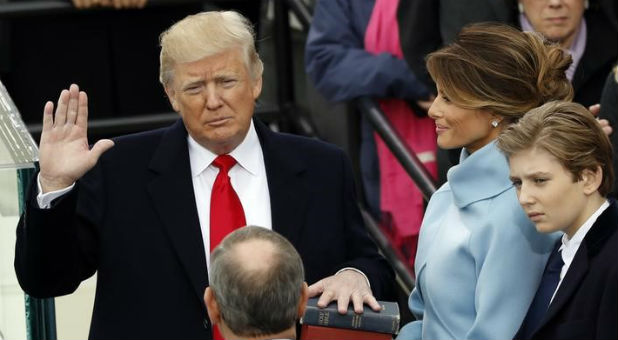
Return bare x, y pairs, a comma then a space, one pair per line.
479, 257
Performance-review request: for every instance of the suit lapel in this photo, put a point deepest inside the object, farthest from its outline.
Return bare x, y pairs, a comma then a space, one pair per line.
174, 200
287, 189
605, 225
576, 273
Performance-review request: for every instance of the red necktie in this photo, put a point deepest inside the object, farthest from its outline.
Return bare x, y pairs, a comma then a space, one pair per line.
226, 213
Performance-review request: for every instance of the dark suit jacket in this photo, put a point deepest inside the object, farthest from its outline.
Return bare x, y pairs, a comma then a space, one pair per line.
133, 219
586, 303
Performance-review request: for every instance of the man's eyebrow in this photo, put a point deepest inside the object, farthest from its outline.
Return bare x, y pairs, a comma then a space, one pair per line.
193, 82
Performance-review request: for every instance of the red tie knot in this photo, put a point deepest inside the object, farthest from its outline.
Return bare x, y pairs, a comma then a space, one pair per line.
224, 162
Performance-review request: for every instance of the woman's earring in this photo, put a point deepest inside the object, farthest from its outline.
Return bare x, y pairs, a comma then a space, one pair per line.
495, 123
520, 7
586, 4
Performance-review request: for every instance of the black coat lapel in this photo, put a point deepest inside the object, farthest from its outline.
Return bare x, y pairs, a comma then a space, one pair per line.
576, 273
287, 189
174, 200
605, 225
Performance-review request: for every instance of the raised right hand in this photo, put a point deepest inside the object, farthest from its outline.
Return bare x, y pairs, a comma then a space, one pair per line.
64, 154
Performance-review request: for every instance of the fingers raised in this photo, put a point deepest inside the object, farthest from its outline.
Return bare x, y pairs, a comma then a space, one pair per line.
48, 116
61, 108
74, 95
82, 111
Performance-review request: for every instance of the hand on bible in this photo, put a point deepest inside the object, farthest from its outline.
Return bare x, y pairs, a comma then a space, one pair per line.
64, 154
343, 287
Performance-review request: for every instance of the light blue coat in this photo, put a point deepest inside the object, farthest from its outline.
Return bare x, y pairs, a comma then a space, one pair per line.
480, 259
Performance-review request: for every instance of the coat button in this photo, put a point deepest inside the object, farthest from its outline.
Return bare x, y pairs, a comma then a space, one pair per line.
206, 324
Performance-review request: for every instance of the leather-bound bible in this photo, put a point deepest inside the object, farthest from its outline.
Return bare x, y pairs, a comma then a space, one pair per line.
318, 322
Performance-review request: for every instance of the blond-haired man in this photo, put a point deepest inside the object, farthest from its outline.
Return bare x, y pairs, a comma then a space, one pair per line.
146, 213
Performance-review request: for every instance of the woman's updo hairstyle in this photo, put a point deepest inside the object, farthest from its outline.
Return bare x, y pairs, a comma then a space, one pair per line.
498, 68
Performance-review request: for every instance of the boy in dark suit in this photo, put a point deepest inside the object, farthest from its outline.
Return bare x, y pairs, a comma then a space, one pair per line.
561, 165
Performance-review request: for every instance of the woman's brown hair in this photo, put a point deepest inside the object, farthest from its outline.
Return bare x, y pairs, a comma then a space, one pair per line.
498, 68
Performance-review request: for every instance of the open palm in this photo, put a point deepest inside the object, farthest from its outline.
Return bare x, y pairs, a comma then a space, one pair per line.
64, 154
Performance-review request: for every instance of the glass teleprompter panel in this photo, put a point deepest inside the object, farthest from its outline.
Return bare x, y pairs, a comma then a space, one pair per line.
17, 147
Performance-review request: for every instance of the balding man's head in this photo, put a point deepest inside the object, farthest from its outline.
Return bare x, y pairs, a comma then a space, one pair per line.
257, 281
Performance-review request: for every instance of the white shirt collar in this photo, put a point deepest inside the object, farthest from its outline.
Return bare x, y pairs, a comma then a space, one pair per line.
247, 154
570, 246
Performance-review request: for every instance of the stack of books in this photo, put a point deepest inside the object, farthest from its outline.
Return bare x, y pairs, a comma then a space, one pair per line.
326, 323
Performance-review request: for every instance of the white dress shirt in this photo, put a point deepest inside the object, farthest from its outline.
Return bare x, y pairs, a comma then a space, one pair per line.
248, 178
569, 247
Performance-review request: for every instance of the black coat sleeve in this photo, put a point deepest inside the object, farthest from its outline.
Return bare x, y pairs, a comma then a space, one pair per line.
57, 248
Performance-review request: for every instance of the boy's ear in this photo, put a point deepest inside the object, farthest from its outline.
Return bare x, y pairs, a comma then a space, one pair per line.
591, 180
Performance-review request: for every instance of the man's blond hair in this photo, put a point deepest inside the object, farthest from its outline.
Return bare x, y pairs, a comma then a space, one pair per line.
205, 34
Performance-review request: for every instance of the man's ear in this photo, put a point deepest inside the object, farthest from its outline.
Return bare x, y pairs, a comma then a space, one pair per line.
212, 307
257, 87
304, 296
592, 180
171, 95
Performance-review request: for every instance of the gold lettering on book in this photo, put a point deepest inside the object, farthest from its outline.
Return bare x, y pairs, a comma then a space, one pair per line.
357, 320
323, 318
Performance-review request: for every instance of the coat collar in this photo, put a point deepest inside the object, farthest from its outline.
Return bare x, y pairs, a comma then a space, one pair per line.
478, 176
172, 195
284, 171
601, 231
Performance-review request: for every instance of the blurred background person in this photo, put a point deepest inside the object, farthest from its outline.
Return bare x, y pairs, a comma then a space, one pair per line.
479, 258
583, 27
561, 166
588, 29
353, 50
257, 288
